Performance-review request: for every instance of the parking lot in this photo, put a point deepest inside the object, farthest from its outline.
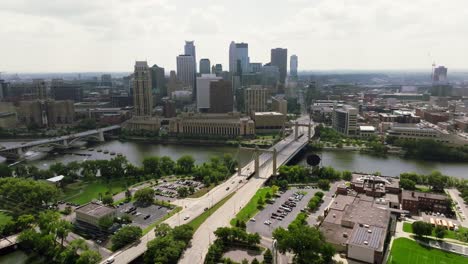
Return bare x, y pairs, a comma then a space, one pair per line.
266, 230
155, 212
167, 191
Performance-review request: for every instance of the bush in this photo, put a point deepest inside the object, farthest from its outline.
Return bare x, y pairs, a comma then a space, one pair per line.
125, 236
323, 184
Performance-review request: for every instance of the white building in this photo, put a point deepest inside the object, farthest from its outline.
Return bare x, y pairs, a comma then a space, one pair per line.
186, 70
345, 120
203, 90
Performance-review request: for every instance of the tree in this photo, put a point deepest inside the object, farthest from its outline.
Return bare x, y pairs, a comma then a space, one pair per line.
323, 184
108, 199
185, 164
437, 181
346, 175
268, 257
5, 171
24, 221
255, 261
440, 232
125, 236
162, 230
89, 257
128, 195
152, 166
62, 228
144, 196
183, 233
421, 228
407, 184
183, 191
167, 165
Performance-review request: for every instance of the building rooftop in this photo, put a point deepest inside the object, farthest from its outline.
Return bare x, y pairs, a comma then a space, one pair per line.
368, 236
341, 201
412, 195
364, 213
95, 209
56, 179
268, 114
367, 128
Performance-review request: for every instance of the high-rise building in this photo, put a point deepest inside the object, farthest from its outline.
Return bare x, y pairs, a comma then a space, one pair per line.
142, 90
439, 75
270, 75
344, 120
221, 97
218, 69
106, 80
158, 80
205, 66
203, 91
293, 63
61, 90
173, 84
255, 99
279, 58
239, 58
39, 89
186, 71
189, 49
279, 105
255, 67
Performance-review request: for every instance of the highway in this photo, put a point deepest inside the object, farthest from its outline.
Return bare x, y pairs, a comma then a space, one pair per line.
192, 208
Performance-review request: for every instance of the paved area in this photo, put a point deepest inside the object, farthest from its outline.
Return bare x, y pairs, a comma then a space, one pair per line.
155, 212
327, 199
266, 230
238, 255
460, 206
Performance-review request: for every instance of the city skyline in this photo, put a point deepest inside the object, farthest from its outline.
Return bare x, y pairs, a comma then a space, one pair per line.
96, 36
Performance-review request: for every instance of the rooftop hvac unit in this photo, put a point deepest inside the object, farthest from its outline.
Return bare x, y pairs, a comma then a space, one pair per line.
366, 243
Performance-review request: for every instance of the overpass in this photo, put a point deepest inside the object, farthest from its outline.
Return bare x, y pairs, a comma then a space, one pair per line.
243, 191
16, 151
7, 242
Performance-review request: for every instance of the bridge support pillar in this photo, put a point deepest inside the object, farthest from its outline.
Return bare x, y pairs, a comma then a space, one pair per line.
275, 154
19, 151
65, 143
239, 166
101, 136
309, 131
296, 130
257, 162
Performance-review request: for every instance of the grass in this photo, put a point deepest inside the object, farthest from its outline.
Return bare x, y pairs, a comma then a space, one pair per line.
84, 192
159, 221
408, 228
251, 208
405, 250
198, 221
201, 192
5, 218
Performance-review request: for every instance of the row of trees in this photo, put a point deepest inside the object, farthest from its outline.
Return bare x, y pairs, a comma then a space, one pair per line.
41, 236
169, 244
315, 201
436, 180
421, 228
300, 174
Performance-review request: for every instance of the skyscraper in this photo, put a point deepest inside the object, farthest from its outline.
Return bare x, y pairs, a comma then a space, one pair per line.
239, 58
205, 66
186, 71
293, 65
142, 90
221, 97
189, 49
255, 99
158, 80
203, 91
279, 58
439, 75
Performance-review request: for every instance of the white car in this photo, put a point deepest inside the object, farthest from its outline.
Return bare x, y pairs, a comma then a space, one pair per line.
252, 219
186, 217
267, 222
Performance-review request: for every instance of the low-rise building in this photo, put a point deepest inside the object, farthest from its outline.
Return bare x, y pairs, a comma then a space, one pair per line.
143, 123
91, 213
366, 131
269, 122
375, 186
418, 201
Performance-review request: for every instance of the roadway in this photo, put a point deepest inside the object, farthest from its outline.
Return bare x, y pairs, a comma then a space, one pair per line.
245, 190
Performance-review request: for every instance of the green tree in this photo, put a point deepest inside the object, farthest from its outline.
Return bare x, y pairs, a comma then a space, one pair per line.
255, 261
183, 191
125, 236
346, 175
440, 232
25, 221
268, 257
62, 228
407, 184
167, 165
183, 233
5, 171
421, 228
108, 199
89, 257
185, 164
323, 184
144, 196
162, 230
152, 166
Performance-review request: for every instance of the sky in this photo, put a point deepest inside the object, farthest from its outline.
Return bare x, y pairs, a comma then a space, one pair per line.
109, 35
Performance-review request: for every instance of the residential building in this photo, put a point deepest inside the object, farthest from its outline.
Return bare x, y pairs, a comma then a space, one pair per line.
229, 125
418, 201
205, 66
91, 213
279, 58
255, 99
279, 104
345, 120
142, 90
186, 71
293, 63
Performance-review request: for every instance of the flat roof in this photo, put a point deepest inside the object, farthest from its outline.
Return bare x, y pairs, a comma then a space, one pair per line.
95, 209
408, 195
369, 237
341, 201
56, 178
364, 213
367, 128
268, 113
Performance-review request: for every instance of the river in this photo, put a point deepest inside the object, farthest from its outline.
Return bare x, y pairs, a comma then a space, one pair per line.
135, 152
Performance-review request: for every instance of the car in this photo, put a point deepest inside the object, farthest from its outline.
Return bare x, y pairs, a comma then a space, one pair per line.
274, 214
206, 209
267, 222
252, 219
137, 214
240, 181
134, 212
110, 260
227, 189
186, 217
273, 217
146, 217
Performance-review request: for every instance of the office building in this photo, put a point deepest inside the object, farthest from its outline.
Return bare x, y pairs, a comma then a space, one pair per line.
229, 125
439, 75
345, 120
106, 80
418, 201
169, 108
255, 67
269, 122
293, 63
280, 105
92, 213
279, 58
255, 99
186, 71
218, 69
158, 80
189, 49
221, 97
239, 61
270, 75
203, 91
121, 100
142, 90
205, 66
62, 90
173, 83
39, 89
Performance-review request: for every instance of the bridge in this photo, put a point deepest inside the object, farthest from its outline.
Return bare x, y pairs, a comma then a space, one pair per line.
243, 190
16, 151
7, 242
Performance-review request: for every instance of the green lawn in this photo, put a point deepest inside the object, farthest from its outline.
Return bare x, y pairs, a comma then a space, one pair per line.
4, 218
84, 192
407, 251
408, 228
196, 223
251, 208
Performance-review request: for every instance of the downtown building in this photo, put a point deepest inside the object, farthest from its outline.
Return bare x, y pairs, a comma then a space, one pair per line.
279, 58
214, 95
205, 66
255, 99
239, 61
293, 64
186, 72
344, 120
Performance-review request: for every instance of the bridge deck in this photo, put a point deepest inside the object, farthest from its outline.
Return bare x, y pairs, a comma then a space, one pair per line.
8, 241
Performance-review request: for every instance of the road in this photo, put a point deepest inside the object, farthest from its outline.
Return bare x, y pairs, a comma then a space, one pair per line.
195, 206
455, 194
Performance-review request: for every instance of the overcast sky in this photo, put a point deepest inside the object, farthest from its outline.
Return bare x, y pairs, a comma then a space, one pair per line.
109, 35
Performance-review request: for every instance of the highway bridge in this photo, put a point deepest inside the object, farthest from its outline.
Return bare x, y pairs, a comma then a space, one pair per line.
244, 190
16, 151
